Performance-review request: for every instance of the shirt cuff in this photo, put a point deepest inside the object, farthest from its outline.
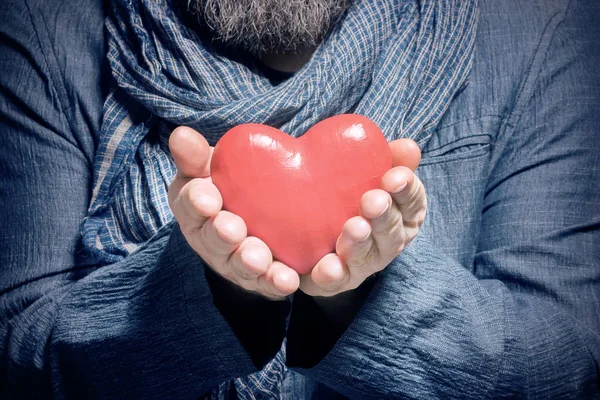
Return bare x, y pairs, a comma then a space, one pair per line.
317, 323
257, 322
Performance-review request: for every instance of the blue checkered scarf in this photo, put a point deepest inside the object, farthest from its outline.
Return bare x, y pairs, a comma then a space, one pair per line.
398, 62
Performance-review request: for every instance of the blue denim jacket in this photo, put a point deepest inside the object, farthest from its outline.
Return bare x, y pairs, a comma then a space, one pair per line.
499, 295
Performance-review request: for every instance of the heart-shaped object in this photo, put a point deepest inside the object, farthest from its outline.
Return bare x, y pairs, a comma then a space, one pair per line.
296, 194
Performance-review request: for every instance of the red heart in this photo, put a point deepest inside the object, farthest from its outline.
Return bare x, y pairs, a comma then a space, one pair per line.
296, 194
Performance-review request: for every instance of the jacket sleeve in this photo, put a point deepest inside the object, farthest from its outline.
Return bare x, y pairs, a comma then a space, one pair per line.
526, 323
145, 327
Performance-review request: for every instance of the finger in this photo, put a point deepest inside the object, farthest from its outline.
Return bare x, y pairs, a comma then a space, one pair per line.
197, 200
406, 153
328, 277
191, 153
374, 203
279, 281
251, 259
356, 248
219, 237
408, 194
387, 227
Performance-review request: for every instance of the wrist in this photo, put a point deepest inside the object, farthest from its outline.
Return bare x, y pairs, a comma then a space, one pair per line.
258, 322
343, 307
317, 323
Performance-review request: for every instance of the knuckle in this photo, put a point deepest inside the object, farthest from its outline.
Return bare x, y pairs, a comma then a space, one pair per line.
265, 289
194, 233
333, 287
206, 239
421, 217
417, 217
247, 285
412, 224
234, 277
190, 232
203, 233
392, 226
416, 193
242, 273
364, 260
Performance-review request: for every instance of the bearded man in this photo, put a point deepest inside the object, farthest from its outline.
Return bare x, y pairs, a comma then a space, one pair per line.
122, 275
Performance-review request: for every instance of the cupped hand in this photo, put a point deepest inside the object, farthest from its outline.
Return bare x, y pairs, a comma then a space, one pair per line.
389, 219
218, 236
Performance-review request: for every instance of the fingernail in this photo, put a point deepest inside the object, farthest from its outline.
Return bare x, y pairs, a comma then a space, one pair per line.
366, 226
387, 207
400, 188
366, 237
206, 201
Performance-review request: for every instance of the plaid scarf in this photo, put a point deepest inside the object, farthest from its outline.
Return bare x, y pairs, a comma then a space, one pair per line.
398, 62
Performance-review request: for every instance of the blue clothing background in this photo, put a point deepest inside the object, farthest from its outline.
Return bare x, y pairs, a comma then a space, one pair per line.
499, 295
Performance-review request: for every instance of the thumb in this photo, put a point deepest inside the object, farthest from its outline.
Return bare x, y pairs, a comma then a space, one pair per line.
405, 153
191, 152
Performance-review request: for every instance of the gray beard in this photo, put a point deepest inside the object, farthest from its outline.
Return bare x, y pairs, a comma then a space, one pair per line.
269, 26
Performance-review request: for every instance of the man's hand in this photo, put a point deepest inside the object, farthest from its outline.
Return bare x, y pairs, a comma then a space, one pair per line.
218, 236
389, 219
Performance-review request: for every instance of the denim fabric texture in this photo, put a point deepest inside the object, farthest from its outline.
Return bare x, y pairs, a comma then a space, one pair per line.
498, 297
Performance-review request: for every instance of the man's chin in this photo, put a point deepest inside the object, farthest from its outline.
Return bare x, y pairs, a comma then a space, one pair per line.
269, 27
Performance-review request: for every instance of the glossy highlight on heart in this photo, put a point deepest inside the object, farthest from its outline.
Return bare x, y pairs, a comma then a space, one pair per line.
296, 193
